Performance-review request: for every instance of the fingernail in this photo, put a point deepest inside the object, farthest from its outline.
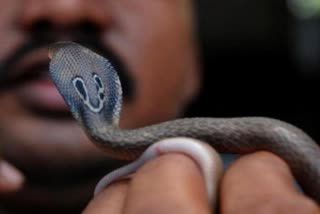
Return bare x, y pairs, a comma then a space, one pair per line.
11, 178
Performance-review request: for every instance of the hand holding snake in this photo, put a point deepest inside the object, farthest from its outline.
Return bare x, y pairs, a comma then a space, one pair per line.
92, 89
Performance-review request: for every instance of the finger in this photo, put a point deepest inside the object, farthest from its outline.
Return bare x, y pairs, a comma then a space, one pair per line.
172, 183
110, 200
11, 179
205, 156
262, 183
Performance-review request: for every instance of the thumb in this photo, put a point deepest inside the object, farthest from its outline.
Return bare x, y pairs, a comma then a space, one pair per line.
11, 179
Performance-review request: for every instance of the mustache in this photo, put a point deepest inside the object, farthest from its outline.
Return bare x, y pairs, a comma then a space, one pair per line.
45, 38
8, 63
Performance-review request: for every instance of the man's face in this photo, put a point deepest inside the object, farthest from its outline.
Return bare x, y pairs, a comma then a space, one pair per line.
153, 39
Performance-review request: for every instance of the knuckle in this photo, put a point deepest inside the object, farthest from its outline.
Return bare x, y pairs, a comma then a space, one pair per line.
292, 204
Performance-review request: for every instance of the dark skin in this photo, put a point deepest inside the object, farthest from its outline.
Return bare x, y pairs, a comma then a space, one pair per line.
238, 194
156, 40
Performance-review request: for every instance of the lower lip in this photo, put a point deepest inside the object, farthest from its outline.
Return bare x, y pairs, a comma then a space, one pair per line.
43, 94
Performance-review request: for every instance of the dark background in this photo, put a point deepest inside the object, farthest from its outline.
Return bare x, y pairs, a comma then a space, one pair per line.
259, 59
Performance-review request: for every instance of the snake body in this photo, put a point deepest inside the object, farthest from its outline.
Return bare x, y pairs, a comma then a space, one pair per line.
92, 89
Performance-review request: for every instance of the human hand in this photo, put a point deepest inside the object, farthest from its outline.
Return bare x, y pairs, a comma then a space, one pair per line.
262, 183
170, 183
255, 183
11, 179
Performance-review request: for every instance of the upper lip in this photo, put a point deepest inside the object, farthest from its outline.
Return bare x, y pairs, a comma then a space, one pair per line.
31, 65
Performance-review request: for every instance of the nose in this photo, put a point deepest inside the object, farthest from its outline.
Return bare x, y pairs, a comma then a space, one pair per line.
64, 13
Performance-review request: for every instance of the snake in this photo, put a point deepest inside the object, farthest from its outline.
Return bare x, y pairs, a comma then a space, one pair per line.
91, 88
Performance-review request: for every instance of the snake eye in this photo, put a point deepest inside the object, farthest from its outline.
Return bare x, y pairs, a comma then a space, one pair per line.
80, 87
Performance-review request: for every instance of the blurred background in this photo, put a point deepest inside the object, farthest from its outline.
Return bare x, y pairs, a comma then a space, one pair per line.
260, 58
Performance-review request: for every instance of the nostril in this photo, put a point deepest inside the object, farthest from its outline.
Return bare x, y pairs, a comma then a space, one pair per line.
46, 24
42, 30
89, 26
41, 25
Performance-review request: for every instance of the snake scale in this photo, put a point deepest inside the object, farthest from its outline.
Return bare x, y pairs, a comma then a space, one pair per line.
92, 90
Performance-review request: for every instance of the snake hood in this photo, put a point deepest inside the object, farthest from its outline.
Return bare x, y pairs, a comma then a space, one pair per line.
93, 72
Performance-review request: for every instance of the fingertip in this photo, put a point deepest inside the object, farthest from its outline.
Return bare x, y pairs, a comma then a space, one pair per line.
170, 183
11, 179
110, 200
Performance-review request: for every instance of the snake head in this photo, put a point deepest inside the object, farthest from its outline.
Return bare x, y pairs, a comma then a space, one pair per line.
53, 48
88, 83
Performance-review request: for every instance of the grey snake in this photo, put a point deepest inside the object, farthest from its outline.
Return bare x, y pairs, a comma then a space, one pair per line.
92, 89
